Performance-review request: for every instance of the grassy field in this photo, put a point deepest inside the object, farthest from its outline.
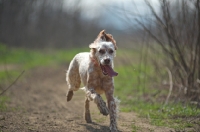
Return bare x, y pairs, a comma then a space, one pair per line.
137, 86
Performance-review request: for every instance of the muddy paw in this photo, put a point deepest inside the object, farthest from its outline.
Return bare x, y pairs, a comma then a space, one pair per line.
113, 129
104, 111
103, 108
88, 118
69, 95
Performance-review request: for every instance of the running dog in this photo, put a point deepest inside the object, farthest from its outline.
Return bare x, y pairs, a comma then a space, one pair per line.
95, 70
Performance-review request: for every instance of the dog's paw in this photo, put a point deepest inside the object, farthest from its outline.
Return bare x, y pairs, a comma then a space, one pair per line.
104, 111
113, 128
69, 95
88, 118
103, 108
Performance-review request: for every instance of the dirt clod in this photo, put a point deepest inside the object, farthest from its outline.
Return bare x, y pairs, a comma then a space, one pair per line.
2, 117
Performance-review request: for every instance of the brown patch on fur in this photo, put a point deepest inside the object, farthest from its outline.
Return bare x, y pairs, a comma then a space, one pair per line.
92, 52
92, 57
94, 60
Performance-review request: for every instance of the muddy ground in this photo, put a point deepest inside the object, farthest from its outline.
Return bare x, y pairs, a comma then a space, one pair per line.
38, 104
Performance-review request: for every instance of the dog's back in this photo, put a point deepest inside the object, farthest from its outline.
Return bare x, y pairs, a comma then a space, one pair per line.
77, 71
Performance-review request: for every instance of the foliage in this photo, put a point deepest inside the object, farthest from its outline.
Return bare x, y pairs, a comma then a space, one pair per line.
60, 29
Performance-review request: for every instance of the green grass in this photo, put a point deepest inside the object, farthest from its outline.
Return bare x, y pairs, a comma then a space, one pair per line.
20, 59
3, 100
135, 87
135, 128
25, 59
135, 84
175, 116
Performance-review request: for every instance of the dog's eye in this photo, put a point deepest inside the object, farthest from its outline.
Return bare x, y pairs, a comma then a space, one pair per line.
111, 51
101, 51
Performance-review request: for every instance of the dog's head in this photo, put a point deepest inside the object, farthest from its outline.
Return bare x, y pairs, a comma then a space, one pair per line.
104, 50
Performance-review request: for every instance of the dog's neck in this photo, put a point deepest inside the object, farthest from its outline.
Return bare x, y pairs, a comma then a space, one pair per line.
94, 60
93, 57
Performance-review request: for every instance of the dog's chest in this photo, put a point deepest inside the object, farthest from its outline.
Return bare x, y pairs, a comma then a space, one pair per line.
99, 86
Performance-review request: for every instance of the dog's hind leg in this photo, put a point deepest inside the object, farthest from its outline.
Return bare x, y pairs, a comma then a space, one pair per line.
69, 95
87, 111
73, 79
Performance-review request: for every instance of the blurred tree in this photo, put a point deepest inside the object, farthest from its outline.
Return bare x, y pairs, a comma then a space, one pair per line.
43, 23
177, 31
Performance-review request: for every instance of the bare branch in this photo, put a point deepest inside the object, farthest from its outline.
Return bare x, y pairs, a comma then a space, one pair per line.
198, 38
170, 31
11, 84
171, 86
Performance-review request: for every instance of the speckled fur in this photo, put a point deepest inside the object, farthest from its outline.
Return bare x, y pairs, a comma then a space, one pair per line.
85, 68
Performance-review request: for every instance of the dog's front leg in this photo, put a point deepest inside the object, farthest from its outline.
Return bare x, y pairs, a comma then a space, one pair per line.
112, 110
92, 95
93, 82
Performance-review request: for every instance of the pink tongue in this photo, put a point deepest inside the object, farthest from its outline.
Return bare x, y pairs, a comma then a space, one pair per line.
110, 71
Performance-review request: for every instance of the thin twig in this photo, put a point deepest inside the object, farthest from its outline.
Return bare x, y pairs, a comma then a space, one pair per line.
171, 86
11, 84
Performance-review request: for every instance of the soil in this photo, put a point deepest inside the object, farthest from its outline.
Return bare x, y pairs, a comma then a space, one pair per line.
38, 104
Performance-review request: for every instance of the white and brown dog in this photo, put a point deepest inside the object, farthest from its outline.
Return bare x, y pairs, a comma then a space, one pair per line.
95, 70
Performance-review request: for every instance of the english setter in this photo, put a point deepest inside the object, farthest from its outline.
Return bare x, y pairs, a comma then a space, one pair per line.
95, 70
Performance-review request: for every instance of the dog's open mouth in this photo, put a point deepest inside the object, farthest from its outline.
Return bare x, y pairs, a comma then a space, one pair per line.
107, 70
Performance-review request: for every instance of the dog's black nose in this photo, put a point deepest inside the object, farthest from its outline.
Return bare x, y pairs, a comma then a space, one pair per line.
107, 61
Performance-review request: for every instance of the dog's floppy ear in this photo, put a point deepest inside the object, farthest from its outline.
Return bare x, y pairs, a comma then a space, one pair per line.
103, 37
92, 46
109, 37
100, 37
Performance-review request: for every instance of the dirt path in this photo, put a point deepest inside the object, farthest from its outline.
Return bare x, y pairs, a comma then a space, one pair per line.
38, 103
